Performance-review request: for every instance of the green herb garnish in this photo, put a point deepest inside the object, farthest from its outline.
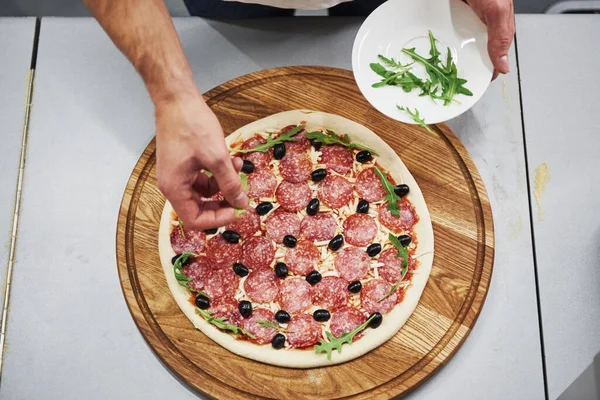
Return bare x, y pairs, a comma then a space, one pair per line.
284, 137
441, 77
332, 138
271, 324
417, 118
180, 276
402, 252
391, 196
244, 179
180, 223
208, 173
336, 343
222, 324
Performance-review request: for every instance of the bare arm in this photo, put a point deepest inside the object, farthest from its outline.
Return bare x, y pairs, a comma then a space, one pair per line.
189, 136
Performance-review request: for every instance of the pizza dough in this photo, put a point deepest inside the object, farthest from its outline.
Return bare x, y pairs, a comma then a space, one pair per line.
372, 338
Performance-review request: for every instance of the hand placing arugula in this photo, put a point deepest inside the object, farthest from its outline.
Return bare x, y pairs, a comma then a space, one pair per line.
336, 343
442, 77
332, 138
287, 136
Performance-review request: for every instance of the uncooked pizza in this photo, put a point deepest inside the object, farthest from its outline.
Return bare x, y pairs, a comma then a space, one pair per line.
328, 262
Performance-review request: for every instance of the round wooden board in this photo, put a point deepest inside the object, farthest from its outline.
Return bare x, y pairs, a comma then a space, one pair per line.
454, 295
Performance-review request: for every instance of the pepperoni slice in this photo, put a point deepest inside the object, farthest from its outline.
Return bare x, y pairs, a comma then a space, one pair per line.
368, 185
360, 229
227, 308
221, 283
301, 144
352, 263
337, 158
335, 191
192, 242
257, 252
222, 253
246, 224
293, 196
331, 293
408, 217
392, 266
319, 227
198, 269
262, 335
302, 258
261, 183
282, 223
295, 295
303, 331
345, 320
262, 285
295, 167
259, 159
373, 291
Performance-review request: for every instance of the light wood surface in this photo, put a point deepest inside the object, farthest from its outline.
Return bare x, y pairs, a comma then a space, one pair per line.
449, 306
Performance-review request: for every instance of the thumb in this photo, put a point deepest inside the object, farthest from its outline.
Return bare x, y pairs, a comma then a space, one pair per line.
230, 185
501, 29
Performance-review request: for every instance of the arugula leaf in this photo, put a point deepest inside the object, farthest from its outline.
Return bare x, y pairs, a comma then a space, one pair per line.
332, 138
391, 197
336, 343
434, 69
238, 211
417, 118
244, 179
221, 323
178, 270
208, 173
379, 69
390, 62
284, 137
433, 51
402, 252
271, 324
180, 223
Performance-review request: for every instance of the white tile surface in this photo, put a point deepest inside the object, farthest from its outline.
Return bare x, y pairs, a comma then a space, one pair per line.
16, 44
91, 121
559, 77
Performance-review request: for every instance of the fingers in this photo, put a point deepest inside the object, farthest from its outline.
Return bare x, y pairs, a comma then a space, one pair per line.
208, 187
501, 30
225, 172
199, 214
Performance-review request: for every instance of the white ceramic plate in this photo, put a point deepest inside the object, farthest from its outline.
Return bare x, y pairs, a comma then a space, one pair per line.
398, 24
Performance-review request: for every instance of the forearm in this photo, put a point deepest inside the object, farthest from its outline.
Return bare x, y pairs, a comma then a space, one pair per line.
144, 32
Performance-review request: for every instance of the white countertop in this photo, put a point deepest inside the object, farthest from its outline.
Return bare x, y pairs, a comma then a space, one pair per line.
560, 83
16, 45
70, 333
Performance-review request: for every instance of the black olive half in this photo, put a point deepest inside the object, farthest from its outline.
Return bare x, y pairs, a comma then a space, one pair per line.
315, 144
289, 241
264, 208
282, 317
313, 207
240, 269
376, 321
321, 315
354, 287
402, 190
318, 175
404, 240
278, 341
364, 156
175, 257
336, 242
247, 167
362, 207
231, 236
373, 249
211, 231
279, 151
281, 270
313, 278
202, 302
245, 308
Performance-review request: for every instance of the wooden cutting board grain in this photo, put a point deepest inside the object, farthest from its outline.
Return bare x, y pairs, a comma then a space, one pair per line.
454, 295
